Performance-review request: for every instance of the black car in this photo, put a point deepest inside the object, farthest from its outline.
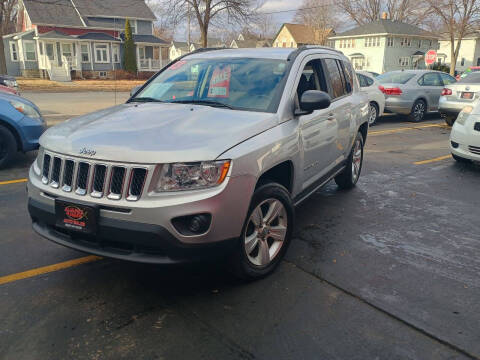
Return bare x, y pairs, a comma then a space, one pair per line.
9, 81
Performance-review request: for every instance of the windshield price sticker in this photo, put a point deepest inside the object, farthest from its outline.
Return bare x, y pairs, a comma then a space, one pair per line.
220, 83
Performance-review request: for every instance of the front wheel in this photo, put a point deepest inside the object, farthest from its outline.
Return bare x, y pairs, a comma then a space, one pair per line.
348, 178
266, 233
8, 146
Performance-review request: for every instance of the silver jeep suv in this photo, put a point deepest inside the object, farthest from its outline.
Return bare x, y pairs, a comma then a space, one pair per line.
209, 157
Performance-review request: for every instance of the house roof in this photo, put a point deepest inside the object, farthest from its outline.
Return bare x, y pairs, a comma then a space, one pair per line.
148, 39
385, 26
303, 34
135, 9
72, 12
54, 34
97, 36
52, 12
246, 43
181, 45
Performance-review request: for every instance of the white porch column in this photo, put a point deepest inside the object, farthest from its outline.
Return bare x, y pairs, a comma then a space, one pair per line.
138, 57
150, 64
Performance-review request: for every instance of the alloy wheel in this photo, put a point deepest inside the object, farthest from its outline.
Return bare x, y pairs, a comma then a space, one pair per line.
357, 160
266, 232
373, 114
418, 111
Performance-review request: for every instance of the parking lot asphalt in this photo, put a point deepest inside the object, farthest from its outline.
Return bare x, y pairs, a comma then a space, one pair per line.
388, 270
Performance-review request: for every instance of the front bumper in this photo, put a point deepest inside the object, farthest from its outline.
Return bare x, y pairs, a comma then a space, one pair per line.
31, 130
398, 105
125, 240
466, 137
142, 231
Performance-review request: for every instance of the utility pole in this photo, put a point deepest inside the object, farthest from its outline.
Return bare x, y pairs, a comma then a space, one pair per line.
188, 30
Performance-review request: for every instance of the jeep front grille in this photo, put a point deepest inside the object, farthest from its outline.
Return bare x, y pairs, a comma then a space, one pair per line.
98, 180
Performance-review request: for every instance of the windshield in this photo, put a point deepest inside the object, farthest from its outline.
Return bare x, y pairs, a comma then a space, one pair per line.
394, 77
240, 84
472, 78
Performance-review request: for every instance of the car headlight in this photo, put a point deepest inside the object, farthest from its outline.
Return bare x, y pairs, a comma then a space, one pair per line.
26, 109
192, 176
464, 114
11, 83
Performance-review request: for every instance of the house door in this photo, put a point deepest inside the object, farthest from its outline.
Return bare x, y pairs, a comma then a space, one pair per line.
50, 51
67, 51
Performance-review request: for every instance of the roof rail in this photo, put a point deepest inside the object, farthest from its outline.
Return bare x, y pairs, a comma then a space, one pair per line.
302, 48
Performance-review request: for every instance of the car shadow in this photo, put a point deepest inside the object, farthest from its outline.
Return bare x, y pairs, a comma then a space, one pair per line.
401, 119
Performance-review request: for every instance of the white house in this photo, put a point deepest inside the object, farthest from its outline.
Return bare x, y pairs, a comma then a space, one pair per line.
177, 49
386, 45
469, 54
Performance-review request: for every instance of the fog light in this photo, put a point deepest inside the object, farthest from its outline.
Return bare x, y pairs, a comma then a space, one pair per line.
193, 224
454, 144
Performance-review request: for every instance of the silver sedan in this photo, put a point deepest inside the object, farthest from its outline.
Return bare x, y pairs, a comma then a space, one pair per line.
413, 92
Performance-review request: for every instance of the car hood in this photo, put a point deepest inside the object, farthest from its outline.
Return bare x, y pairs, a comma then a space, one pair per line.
150, 133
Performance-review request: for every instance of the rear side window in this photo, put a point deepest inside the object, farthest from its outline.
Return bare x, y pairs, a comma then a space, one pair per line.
395, 77
447, 79
336, 77
364, 81
348, 73
471, 78
430, 79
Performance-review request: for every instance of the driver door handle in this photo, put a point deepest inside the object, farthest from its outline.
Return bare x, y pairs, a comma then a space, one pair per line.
331, 117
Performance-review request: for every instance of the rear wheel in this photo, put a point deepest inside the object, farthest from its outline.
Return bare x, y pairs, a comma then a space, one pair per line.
8, 146
372, 114
348, 178
418, 111
266, 233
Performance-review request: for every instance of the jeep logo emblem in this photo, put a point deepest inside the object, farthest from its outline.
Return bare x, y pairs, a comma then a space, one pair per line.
88, 152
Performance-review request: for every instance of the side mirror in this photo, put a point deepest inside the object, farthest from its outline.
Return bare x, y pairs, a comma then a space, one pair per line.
134, 90
314, 100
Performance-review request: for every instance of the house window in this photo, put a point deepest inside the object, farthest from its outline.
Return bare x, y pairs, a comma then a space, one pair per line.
406, 42
133, 25
116, 53
390, 41
30, 53
84, 49
13, 51
102, 74
291, 44
462, 62
404, 61
358, 63
50, 50
101, 53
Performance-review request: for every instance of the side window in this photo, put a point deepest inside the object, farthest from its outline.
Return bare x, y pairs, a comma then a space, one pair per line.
369, 81
336, 78
348, 73
312, 78
447, 79
362, 80
431, 79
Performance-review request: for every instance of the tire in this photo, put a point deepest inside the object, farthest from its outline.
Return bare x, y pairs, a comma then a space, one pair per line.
450, 120
418, 111
373, 114
460, 159
8, 146
348, 178
247, 262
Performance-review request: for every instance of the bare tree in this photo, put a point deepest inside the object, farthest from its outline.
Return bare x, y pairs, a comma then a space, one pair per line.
8, 12
365, 11
459, 19
319, 14
206, 11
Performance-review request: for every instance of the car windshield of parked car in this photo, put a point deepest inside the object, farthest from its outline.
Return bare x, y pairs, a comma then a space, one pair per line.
239, 84
472, 78
394, 78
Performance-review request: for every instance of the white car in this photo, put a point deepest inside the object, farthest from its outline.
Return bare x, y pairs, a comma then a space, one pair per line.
465, 135
376, 97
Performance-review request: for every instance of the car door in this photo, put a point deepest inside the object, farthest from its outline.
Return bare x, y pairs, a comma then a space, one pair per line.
340, 83
317, 130
432, 85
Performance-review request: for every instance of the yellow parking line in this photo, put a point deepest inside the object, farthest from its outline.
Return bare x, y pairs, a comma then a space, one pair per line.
47, 269
406, 128
13, 181
445, 157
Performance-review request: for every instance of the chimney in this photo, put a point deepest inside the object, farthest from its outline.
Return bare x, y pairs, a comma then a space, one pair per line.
384, 15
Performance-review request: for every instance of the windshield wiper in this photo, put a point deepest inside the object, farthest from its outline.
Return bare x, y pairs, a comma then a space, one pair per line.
145, 99
205, 102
